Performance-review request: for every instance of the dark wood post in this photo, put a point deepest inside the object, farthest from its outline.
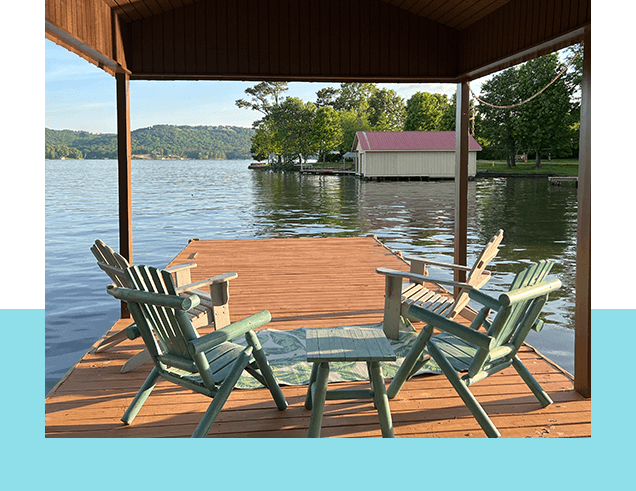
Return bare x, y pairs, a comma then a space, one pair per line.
124, 171
583, 336
461, 179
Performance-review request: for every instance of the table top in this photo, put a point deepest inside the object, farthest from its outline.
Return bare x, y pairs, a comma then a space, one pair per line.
354, 344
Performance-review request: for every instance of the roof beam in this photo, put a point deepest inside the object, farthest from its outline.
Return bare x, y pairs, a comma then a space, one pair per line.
58, 36
545, 48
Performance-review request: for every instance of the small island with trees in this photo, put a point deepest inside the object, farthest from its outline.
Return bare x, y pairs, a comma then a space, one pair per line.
526, 112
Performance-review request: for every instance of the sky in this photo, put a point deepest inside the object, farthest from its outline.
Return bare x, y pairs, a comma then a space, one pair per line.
80, 96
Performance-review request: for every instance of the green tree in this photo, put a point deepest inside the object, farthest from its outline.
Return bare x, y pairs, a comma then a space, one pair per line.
386, 110
326, 96
354, 96
545, 121
448, 109
500, 126
293, 120
350, 122
266, 140
423, 112
327, 132
264, 97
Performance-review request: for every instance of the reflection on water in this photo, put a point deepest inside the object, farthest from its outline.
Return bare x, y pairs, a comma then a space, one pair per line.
216, 200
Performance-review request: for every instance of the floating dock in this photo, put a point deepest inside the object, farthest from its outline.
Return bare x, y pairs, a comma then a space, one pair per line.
325, 171
557, 180
318, 282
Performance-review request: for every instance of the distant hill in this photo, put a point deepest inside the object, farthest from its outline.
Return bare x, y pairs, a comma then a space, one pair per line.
194, 142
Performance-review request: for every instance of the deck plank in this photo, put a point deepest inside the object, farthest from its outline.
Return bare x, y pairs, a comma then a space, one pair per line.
313, 283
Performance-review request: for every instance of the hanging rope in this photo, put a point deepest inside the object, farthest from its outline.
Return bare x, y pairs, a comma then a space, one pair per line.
535, 95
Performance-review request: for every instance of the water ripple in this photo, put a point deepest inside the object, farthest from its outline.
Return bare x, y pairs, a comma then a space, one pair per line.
175, 201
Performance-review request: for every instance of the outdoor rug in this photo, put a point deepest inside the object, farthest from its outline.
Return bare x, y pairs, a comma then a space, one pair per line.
287, 356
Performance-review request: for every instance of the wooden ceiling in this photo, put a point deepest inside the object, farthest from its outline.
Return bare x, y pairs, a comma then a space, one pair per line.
314, 40
132, 10
456, 14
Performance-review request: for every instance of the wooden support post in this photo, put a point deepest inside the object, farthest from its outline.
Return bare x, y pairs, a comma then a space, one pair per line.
124, 172
583, 338
461, 179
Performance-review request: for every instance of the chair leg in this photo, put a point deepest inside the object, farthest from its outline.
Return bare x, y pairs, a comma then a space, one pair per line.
468, 398
318, 398
381, 400
266, 370
222, 395
141, 397
410, 361
531, 382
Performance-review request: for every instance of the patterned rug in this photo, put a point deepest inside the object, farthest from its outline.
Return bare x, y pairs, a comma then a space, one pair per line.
287, 356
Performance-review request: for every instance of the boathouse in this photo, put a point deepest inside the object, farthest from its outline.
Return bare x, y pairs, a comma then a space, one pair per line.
423, 154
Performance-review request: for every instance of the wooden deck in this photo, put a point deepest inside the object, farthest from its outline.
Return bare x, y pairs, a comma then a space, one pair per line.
305, 283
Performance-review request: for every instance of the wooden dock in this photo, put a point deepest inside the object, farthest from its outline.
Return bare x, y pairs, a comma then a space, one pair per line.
325, 171
557, 180
322, 282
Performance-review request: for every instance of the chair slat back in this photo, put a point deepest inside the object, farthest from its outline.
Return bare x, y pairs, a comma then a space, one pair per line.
477, 275
512, 323
530, 276
488, 253
169, 331
112, 263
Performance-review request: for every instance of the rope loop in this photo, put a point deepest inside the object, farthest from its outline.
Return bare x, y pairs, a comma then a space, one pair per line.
535, 95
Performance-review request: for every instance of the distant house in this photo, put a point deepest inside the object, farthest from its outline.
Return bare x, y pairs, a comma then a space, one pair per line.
427, 154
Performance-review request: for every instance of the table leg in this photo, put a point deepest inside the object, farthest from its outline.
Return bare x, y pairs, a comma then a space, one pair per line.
318, 399
375, 406
312, 380
381, 400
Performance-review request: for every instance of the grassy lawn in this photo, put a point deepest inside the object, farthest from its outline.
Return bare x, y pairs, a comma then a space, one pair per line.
558, 167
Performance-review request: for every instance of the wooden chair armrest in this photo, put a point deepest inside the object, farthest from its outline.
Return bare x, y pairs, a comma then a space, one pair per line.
515, 296
437, 263
160, 299
181, 273
419, 277
222, 278
228, 333
466, 333
132, 331
485, 299
179, 267
529, 292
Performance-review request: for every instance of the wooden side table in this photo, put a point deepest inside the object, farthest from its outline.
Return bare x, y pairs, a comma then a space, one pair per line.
360, 344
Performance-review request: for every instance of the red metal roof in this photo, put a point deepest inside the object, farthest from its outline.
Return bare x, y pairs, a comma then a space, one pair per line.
411, 140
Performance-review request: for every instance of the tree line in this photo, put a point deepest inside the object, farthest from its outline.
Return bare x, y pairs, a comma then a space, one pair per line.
292, 130
160, 141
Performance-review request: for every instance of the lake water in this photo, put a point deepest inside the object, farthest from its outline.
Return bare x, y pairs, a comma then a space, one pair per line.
174, 201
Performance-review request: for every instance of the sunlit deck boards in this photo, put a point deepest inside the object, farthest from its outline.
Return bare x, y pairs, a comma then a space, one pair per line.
305, 283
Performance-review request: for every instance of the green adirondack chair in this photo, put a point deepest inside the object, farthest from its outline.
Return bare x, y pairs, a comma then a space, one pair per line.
398, 296
517, 311
210, 365
213, 306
